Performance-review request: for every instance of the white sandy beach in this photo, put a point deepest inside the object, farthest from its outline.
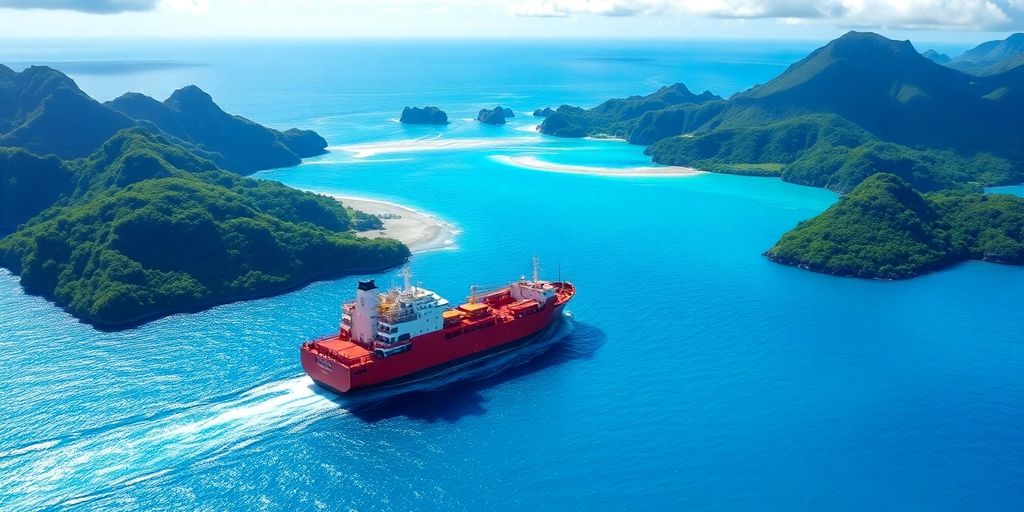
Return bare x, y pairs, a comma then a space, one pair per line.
420, 231
428, 144
530, 162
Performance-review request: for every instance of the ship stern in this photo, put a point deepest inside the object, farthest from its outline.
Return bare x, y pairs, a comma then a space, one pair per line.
325, 371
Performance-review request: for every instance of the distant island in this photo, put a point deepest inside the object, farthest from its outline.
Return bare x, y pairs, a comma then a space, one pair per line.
861, 105
140, 209
496, 115
425, 115
934, 56
992, 57
625, 118
543, 112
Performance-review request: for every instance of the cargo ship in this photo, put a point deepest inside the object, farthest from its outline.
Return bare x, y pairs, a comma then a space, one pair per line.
409, 333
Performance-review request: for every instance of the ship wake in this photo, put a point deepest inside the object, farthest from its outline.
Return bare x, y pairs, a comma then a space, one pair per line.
98, 465
65, 472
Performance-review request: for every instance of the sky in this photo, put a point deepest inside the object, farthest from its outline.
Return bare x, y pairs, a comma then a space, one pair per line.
960, 21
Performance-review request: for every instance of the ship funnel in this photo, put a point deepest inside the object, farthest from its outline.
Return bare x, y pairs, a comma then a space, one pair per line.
365, 312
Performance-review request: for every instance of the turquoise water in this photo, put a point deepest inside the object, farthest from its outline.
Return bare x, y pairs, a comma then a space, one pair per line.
695, 374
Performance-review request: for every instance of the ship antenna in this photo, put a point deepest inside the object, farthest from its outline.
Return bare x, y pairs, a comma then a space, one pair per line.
407, 275
536, 270
559, 271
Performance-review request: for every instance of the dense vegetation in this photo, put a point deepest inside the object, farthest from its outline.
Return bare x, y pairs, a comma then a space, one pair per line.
177, 244
44, 112
618, 117
28, 185
825, 150
859, 106
885, 229
148, 225
232, 142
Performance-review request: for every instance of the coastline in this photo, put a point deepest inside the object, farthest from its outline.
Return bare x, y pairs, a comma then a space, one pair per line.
530, 162
420, 231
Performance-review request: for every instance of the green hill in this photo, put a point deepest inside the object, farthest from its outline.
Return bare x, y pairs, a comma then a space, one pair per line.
859, 105
139, 220
825, 150
615, 117
151, 230
44, 112
232, 142
885, 229
893, 92
29, 184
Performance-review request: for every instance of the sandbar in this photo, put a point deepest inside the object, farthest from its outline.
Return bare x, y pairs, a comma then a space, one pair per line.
420, 231
530, 162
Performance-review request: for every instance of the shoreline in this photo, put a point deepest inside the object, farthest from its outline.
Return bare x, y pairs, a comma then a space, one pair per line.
533, 163
420, 231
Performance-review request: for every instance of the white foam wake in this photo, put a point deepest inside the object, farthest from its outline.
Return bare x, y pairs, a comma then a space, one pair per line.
429, 144
643, 171
75, 470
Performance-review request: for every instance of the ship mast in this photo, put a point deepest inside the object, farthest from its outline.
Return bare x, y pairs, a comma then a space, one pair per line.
536, 270
407, 276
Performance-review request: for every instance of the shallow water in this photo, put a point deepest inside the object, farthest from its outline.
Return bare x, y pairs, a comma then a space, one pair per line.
698, 375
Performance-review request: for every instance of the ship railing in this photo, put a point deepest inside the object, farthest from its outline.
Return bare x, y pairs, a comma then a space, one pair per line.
391, 318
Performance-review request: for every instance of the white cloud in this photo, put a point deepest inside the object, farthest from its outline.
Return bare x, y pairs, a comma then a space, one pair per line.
551, 8
86, 6
907, 14
190, 6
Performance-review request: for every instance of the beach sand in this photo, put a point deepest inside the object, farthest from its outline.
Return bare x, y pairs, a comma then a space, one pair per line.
529, 162
420, 231
370, 149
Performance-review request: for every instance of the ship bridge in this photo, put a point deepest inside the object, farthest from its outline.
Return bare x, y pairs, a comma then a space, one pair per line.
407, 313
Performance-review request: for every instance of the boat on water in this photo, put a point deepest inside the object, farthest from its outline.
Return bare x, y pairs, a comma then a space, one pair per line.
400, 335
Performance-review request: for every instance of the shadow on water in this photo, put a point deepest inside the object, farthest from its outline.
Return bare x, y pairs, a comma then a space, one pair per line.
452, 401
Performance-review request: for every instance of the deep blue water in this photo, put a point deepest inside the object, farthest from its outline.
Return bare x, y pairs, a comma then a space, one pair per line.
695, 374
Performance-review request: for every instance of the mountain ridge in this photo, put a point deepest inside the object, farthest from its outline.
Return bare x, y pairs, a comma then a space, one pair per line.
992, 57
45, 112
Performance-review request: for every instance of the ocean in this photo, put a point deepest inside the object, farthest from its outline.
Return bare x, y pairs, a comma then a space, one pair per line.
693, 374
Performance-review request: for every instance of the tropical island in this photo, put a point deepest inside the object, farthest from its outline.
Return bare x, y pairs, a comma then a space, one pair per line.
496, 115
885, 229
861, 105
425, 115
140, 209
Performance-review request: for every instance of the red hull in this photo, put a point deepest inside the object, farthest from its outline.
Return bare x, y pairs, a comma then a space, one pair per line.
341, 365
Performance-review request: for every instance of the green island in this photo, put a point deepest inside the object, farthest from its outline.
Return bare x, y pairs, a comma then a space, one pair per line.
885, 229
860, 106
157, 218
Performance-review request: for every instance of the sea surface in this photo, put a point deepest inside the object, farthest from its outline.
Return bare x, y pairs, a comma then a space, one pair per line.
693, 375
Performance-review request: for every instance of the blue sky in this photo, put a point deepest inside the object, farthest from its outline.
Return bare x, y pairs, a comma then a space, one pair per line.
920, 20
